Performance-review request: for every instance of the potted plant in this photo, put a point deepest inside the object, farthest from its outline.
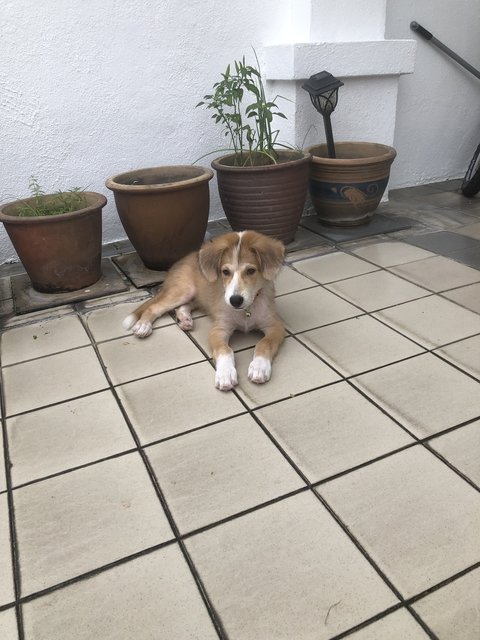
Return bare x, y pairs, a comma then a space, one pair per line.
348, 179
57, 237
262, 184
164, 210
346, 190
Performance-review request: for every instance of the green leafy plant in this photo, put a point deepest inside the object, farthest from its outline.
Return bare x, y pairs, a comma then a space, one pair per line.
250, 128
54, 205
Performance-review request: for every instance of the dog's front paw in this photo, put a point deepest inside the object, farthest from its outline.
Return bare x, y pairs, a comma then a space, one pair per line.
225, 373
259, 370
140, 328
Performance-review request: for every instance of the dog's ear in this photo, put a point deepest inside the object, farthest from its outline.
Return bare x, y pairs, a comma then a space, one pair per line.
209, 258
270, 254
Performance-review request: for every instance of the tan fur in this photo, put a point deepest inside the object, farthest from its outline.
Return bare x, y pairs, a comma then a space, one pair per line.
231, 268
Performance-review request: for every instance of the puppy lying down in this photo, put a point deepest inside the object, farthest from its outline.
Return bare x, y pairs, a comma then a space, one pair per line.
231, 280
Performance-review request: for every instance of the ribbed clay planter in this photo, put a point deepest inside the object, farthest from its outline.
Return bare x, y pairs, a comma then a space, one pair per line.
346, 190
164, 210
62, 252
268, 199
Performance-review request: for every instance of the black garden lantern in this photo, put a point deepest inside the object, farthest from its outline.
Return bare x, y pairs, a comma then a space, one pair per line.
323, 90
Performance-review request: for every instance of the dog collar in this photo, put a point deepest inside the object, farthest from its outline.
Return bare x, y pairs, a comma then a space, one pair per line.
248, 312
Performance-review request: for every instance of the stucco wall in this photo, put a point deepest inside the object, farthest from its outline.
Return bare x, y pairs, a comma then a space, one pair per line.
438, 114
89, 89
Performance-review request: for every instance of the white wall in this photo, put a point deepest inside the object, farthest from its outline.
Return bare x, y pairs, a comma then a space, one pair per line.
438, 107
89, 89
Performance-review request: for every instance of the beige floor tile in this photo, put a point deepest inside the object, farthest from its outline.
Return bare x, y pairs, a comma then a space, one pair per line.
471, 230
42, 339
468, 297
453, 611
176, 401
389, 254
465, 354
414, 516
461, 447
358, 345
399, 625
437, 273
311, 308
294, 370
289, 280
432, 321
216, 472
35, 384
331, 430
8, 625
107, 323
7, 593
151, 597
81, 520
333, 266
238, 341
424, 394
66, 435
130, 357
287, 571
377, 290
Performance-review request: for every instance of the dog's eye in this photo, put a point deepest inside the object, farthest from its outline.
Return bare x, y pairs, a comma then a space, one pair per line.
250, 271
226, 272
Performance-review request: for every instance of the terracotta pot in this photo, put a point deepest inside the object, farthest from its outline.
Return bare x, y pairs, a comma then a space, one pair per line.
62, 252
164, 210
346, 190
268, 199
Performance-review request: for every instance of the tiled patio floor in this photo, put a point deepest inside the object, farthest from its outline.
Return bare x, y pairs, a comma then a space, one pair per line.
339, 499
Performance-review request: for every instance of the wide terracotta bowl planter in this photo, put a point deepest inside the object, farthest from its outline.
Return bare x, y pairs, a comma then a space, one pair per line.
62, 252
346, 190
268, 199
164, 210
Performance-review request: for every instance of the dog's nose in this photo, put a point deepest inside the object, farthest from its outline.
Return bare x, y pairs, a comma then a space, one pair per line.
236, 301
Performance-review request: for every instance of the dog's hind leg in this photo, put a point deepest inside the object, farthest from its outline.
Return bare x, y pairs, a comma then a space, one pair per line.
169, 298
184, 317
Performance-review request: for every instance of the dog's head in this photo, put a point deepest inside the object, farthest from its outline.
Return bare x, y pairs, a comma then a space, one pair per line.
244, 261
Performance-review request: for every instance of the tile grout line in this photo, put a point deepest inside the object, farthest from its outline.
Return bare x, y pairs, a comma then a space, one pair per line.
371, 621
214, 617
122, 453
14, 549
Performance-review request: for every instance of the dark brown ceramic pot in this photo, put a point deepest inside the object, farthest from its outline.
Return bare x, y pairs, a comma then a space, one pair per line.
164, 210
268, 199
346, 190
62, 252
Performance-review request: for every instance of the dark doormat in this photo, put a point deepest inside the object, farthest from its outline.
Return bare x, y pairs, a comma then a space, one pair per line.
378, 224
456, 246
26, 299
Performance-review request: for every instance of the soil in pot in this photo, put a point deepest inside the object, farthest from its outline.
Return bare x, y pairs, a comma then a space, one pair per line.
346, 190
267, 199
62, 252
164, 210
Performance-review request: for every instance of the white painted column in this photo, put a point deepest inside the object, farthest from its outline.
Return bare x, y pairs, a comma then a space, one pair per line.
346, 38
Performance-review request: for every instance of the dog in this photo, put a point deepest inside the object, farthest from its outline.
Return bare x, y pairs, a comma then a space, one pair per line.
231, 279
